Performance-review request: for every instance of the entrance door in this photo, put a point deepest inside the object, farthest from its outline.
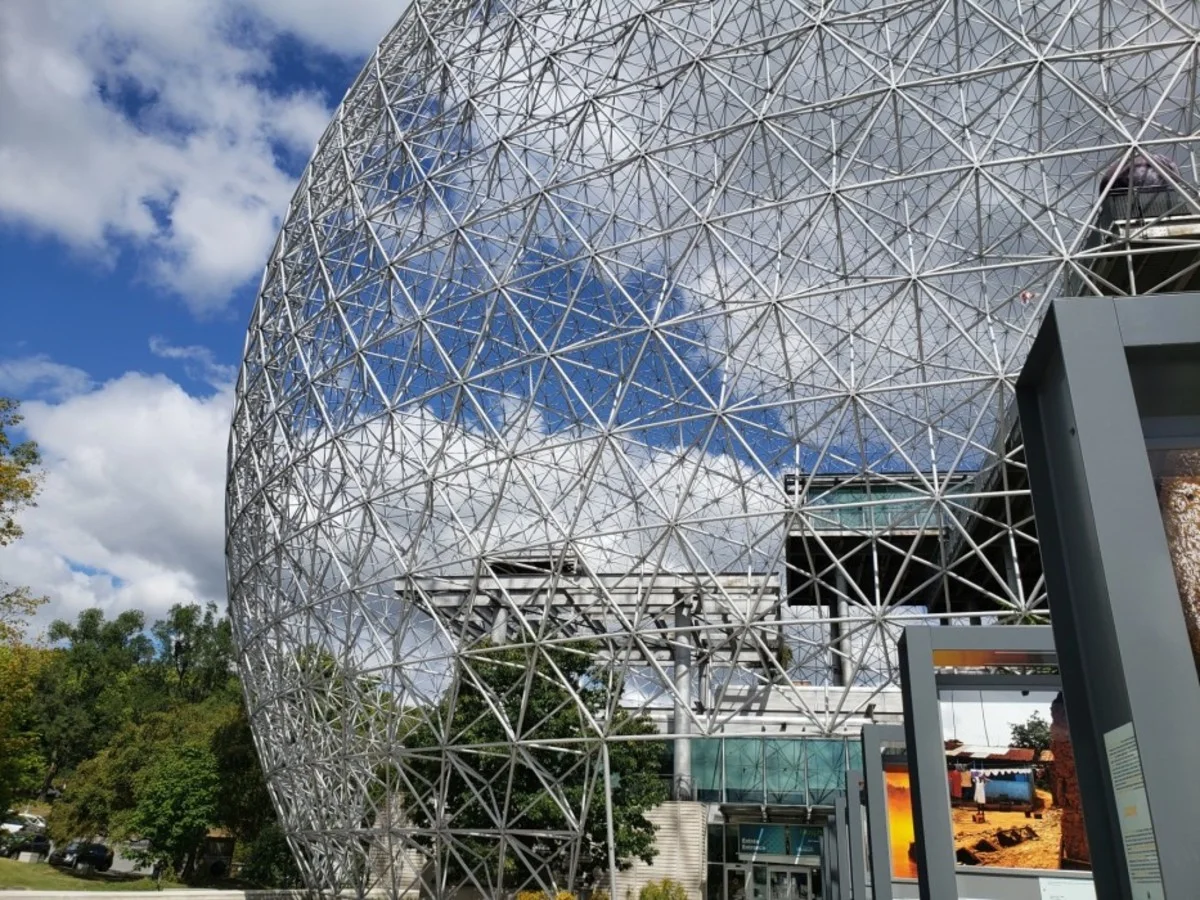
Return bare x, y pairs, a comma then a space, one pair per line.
760, 881
789, 883
735, 883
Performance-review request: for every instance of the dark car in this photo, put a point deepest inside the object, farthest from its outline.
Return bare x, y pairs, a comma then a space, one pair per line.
26, 842
82, 853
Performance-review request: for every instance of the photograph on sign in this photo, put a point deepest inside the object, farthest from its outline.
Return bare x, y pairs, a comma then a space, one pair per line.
1010, 770
1177, 482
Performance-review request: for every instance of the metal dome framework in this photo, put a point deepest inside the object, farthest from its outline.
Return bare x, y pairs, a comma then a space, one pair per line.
682, 333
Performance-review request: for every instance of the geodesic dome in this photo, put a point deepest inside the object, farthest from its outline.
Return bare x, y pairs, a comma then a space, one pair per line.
618, 328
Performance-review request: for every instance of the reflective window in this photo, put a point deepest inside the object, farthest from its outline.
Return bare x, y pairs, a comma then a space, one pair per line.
743, 770
826, 770
785, 772
706, 769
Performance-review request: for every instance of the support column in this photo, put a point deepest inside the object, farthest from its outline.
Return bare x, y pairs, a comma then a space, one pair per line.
499, 622
682, 788
927, 771
842, 668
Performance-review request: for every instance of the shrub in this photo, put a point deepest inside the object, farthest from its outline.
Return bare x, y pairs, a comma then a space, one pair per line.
541, 895
599, 894
663, 890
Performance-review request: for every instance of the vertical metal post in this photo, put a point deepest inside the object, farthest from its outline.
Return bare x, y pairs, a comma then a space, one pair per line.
875, 785
927, 773
854, 832
499, 622
842, 667
845, 864
828, 848
683, 788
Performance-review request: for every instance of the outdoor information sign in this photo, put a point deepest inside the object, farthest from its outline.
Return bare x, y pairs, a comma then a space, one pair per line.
1110, 410
777, 843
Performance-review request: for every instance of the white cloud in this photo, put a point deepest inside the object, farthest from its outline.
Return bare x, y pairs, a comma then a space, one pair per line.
131, 513
145, 122
199, 362
40, 376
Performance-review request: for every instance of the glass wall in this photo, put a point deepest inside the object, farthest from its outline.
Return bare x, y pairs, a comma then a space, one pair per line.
772, 771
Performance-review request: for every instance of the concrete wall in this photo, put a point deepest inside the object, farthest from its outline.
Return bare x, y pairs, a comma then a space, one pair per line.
682, 841
1006, 884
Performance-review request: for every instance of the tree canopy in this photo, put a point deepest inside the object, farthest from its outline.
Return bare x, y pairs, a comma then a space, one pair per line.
1033, 733
19, 476
146, 731
20, 480
467, 776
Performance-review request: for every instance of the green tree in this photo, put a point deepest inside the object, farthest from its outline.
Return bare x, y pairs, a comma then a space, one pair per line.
244, 805
269, 861
103, 792
559, 768
85, 694
20, 480
1033, 733
20, 760
196, 646
177, 804
19, 476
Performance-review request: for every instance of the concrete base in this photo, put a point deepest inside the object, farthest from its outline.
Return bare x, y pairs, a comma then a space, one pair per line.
30, 857
1009, 884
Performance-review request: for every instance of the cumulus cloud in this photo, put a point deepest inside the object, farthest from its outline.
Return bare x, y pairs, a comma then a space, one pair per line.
131, 513
199, 362
40, 376
132, 122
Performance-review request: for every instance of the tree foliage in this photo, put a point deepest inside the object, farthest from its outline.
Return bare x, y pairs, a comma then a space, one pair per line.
19, 476
20, 481
560, 768
196, 647
177, 802
20, 760
160, 703
269, 860
89, 687
1034, 733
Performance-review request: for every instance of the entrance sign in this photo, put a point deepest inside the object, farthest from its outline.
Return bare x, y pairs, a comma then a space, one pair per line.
778, 841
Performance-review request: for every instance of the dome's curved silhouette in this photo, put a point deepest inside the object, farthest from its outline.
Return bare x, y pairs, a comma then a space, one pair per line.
635, 326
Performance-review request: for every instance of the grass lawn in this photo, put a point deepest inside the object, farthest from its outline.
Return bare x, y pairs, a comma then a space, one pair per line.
42, 877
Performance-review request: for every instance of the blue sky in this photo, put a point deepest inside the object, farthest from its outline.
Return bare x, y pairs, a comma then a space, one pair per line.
147, 153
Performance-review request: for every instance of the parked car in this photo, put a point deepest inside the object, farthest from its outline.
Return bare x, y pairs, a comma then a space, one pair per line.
80, 853
26, 841
14, 822
32, 820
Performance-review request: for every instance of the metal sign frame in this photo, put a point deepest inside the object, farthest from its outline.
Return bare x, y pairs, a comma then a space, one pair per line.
922, 650
1126, 662
879, 845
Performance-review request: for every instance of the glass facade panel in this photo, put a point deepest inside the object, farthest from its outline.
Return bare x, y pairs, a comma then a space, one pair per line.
715, 886
854, 757
826, 770
784, 761
743, 770
706, 769
716, 843
777, 771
